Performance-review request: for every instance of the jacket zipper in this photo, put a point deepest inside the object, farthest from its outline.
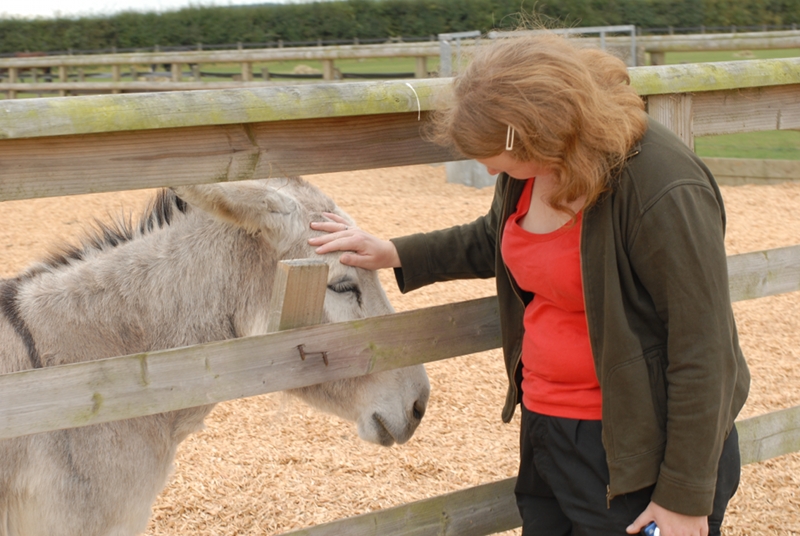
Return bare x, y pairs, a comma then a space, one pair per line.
503, 218
635, 151
588, 325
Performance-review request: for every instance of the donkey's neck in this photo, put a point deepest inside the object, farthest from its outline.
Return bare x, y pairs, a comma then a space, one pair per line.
190, 282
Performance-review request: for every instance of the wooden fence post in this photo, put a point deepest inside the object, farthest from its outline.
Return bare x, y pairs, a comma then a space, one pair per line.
12, 79
327, 70
116, 77
247, 71
298, 294
175, 69
675, 112
658, 57
62, 77
421, 70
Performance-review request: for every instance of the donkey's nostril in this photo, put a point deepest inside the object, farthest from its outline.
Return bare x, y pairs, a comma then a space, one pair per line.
419, 410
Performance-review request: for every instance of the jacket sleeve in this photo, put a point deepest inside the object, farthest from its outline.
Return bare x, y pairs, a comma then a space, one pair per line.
460, 252
679, 255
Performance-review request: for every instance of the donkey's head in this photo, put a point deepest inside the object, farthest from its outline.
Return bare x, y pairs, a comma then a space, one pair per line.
387, 406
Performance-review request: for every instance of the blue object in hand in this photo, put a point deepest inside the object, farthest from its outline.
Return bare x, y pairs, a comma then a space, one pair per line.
651, 529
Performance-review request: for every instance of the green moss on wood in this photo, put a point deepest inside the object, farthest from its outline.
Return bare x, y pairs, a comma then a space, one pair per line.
699, 77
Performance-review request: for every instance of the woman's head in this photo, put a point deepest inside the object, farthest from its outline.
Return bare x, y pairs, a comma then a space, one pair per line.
571, 109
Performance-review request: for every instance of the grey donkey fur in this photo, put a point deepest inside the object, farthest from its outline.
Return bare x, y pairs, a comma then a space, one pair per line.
198, 267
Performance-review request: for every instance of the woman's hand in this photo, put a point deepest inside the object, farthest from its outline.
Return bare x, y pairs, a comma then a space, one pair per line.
670, 523
362, 250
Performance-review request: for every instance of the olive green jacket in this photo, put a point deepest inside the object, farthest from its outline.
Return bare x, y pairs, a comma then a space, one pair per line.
661, 327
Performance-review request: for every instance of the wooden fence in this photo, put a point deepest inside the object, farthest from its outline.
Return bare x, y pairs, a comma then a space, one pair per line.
55, 73
658, 45
132, 72
55, 147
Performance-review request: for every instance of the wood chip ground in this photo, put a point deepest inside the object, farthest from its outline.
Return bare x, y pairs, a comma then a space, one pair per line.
268, 464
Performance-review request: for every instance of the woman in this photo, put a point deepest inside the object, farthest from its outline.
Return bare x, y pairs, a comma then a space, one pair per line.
605, 237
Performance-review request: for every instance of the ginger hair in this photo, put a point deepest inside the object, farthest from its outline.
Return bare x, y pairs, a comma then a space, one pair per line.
572, 108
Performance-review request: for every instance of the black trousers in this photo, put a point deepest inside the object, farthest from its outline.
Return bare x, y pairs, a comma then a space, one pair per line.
561, 487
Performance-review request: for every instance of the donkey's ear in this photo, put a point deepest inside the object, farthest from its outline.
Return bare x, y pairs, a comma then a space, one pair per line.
251, 205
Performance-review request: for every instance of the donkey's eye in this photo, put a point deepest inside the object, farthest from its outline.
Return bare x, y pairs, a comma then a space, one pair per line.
344, 287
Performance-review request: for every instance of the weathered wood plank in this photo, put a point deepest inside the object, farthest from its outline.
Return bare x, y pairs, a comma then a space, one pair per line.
232, 56
477, 511
298, 294
162, 381
110, 113
770, 435
747, 110
99, 87
764, 273
736, 171
149, 383
68, 165
721, 41
702, 77
491, 508
676, 112
144, 384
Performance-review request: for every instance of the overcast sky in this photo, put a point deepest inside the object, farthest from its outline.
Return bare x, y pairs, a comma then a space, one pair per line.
71, 8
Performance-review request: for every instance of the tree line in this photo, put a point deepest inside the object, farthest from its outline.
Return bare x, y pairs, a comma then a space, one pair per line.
373, 19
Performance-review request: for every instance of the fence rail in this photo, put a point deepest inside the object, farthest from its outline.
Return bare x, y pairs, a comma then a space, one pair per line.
67, 146
58, 67
55, 73
491, 508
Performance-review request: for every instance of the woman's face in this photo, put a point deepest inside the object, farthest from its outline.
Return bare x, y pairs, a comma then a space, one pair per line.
505, 161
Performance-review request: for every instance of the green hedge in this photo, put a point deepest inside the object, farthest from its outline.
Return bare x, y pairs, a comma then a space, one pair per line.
371, 19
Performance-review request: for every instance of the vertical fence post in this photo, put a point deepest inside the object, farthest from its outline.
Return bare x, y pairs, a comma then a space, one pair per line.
115, 77
327, 70
298, 294
12, 79
657, 57
62, 78
675, 112
35, 79
175, 70
247, 71
421, 67
446, 49
445, 58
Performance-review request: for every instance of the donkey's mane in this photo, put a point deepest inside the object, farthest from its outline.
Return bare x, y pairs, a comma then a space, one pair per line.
159, 213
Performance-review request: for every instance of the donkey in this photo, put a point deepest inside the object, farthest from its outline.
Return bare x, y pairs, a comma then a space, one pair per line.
198, 267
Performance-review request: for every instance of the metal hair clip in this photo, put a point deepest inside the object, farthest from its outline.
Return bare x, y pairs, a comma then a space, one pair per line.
510, 138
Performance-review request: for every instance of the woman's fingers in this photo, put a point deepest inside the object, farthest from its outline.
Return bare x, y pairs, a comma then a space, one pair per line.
337, 224
334, 217
360, 248
333, 242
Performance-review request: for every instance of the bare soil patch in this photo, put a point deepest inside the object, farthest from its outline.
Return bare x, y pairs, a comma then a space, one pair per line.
268, 464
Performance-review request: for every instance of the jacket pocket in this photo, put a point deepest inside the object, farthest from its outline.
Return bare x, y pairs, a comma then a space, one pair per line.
635, 400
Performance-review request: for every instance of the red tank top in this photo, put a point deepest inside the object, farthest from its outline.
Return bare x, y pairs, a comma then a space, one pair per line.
558, 372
